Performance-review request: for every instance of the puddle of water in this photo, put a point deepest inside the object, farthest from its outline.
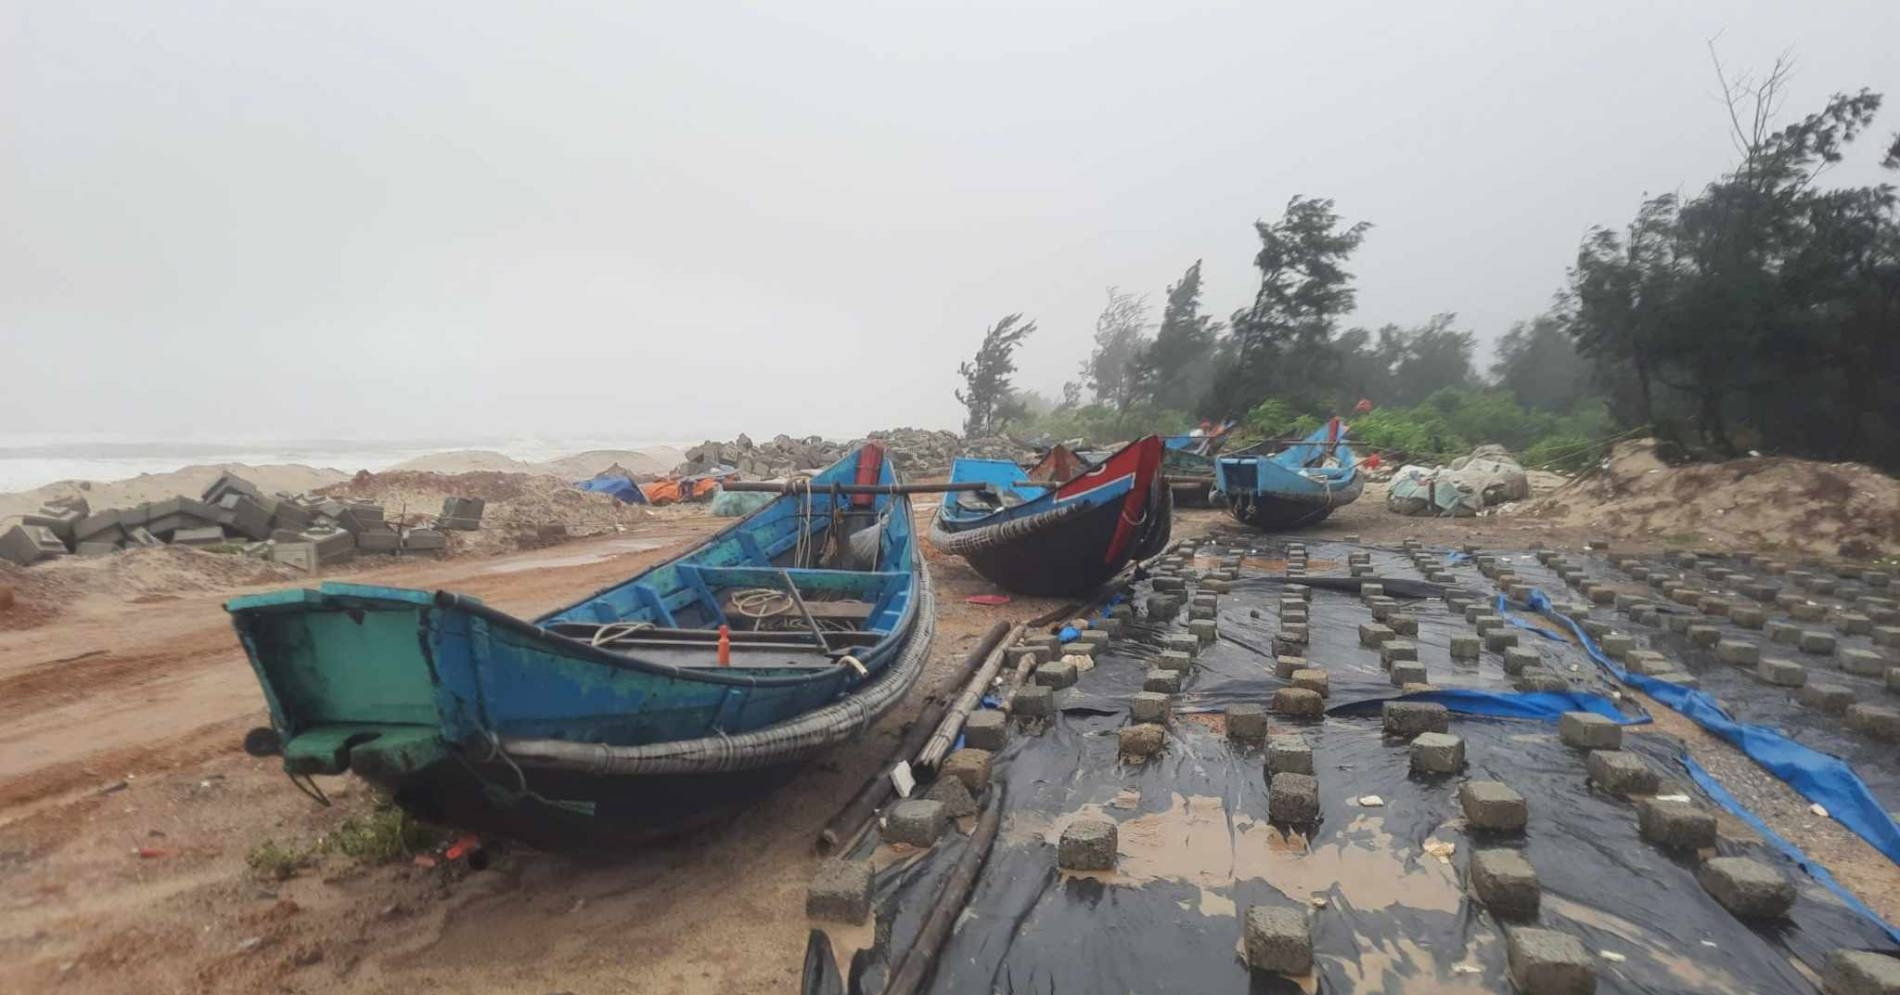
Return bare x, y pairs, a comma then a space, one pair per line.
1694, 976
1194, 843
593, 554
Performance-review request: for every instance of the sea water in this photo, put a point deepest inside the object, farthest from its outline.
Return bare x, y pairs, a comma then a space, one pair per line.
29, 461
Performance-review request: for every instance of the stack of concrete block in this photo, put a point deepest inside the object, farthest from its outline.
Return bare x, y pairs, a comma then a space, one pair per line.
461, 514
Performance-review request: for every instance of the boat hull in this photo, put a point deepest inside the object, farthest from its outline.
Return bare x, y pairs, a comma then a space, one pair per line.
1069, 542
1280, 512
1064, 557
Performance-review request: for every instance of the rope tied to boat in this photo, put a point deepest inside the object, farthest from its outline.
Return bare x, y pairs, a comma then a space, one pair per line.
854, 663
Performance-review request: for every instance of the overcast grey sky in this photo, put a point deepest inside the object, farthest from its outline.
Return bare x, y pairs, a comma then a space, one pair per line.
688, 219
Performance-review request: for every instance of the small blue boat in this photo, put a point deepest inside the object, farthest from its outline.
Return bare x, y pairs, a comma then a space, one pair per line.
674, 694
1295, 487
1057, 537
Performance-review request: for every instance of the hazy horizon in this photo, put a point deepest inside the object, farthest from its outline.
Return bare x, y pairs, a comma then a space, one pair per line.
697, 220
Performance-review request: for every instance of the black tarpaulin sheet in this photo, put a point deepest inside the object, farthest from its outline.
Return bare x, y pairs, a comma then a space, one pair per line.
1384, 881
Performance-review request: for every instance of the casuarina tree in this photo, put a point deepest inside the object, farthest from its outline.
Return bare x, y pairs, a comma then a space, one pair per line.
986, 386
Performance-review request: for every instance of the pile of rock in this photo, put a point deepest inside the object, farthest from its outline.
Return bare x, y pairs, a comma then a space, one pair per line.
303, 530
918, 453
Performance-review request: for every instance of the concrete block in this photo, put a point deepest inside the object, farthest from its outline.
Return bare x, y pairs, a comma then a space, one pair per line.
1285, 666
1465, 646
1374, 634
1196, 612
377, 538
1314, 680
1748, 888
1278, 940
1409, 718
1174, 660
1034, 701
1408, 672
1589, 731
1678, 678
424, 540
1182, 643
1298, 703
1088, 844
988, 729
1162, 681
207, 535
1596, 628
1505, 883
1247, 722
1738, 652
1807, 611
1382, 608
1616, 645
1781, 673
95, 549
1785, 633
1620, 772
1015, 655
969, 765
1854, 624
1539, 679
244, 515
1403, 624
1646, 662
1676, 825
1747, 616
840, 891
1878, 721
1517, 659
1861, 972
1205, 629
1499, 640
302, 555
916, 821
1289, 754
1704, 635
1886, 635
1370, 591
1394, 650
957, 800
1865, 663
1144, 739
1831, 699
1150, 706
1493, 806
1546, 962
1055, 675
1293, 798
1817, 642
1437, 753
1163, 606
26, 545
461, 513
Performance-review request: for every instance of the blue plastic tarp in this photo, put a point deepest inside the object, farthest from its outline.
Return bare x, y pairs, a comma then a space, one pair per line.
1820, 778
621, 487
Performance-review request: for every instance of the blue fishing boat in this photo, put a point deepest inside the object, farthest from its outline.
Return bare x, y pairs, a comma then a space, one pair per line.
1057, 538
1295, 487
677, 693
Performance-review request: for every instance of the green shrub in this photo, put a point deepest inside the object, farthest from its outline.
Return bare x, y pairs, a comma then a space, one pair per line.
273, 861
385, 834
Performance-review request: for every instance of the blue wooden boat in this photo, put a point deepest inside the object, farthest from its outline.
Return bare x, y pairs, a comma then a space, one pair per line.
1295, 487
674, 694
1060, 538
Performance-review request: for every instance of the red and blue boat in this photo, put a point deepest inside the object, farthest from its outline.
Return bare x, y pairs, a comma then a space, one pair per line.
1057, 538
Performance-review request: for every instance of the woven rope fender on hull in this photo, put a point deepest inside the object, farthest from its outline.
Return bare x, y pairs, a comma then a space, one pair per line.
1002, 534
785, 742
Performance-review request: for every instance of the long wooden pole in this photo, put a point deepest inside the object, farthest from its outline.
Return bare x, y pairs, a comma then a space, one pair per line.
948, 906
801, 486
844, 827
939, 745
